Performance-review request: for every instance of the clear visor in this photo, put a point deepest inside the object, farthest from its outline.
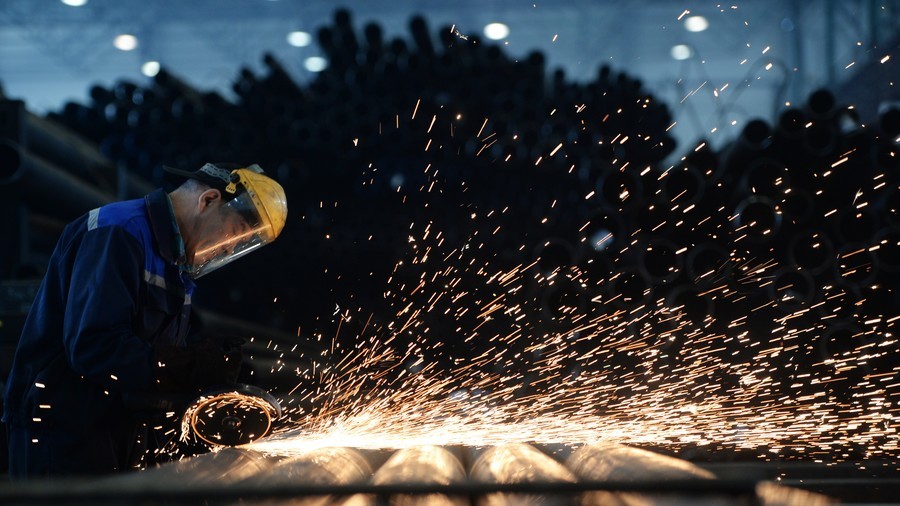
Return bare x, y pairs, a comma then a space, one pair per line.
238, 231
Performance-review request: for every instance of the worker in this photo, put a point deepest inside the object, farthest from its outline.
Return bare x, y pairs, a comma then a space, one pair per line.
110, 322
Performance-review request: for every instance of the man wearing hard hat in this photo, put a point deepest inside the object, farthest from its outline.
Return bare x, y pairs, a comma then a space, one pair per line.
110, 321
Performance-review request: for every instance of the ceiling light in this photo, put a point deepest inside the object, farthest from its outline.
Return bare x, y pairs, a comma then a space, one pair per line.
496, 31
299, 39
315, 64
125, 42
681, 52
150, 68
74, 3
696, 24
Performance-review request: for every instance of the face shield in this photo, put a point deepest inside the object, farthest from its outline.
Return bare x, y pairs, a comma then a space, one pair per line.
253, 217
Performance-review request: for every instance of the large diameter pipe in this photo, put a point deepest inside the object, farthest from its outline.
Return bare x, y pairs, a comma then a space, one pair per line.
62, 147
429, 465
772, 494
519, 463
59, 145
618, 463
755, 139
320, 467
46, 187
226, 467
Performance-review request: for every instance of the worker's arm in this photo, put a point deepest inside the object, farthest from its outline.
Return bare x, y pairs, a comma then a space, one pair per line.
101, 306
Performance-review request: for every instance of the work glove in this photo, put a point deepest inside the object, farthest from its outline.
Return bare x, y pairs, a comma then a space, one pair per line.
207, 363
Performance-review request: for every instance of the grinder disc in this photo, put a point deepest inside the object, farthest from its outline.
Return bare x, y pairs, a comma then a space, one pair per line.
232, 417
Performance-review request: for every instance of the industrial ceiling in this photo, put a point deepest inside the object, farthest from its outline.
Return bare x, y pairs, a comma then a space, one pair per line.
753, 59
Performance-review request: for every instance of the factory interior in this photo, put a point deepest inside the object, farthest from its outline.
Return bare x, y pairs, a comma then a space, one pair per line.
536, 252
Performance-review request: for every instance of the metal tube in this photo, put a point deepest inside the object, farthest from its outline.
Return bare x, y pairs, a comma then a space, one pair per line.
519, 463
811, 250
613, 462
62, 147
422, 465
323, 466
758, 219
226, 467
754, 140
46, 187
772, 494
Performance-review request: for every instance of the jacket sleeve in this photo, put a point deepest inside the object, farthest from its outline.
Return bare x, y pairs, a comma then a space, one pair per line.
102, 302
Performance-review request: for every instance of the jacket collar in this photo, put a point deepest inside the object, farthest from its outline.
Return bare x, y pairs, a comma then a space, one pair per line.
165, 228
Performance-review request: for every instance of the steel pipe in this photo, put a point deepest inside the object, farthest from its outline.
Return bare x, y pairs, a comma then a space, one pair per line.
683, 185
563, 297
811, 250
519, 463
757, 219
766, 176
708, 262
820, 139
889, 122
821, 104
226, 467
856, 225
613, 462
755, 139
320, 467
427, 465
791, 124
555, 254
792, 289
857, 266
888, 252
660, 261
603, 228
46, 187
629, 288
688, 300
58, 145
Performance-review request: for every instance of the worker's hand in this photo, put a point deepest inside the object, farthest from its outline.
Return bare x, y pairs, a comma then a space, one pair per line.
208, 363
217, 361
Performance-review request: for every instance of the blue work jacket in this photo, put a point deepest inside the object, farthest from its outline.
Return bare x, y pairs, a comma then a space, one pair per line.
111, 292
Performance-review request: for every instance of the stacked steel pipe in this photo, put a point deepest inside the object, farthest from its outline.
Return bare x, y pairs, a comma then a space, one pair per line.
513, 473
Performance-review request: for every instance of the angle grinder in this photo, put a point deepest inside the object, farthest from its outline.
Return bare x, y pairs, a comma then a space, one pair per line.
233, 416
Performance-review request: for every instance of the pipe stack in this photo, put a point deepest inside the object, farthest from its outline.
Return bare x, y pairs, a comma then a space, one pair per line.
512, 473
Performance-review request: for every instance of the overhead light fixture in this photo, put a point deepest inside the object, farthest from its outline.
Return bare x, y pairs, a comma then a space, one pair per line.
299, 39
315, 64
125, 42
681, 52
696, 24
496, 31
74, 3
150, 68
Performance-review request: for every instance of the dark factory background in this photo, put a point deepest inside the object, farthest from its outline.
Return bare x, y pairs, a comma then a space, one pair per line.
627, 148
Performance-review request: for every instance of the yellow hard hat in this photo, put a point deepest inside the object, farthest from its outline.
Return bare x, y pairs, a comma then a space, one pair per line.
266, 195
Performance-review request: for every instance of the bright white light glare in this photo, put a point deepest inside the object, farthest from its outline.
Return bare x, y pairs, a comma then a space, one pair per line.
150, 68
315, 64
299, 39
496, 31
681, 52
696, 24
74, 3
125, 42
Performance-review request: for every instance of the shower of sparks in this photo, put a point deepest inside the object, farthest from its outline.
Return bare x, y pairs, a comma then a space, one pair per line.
597, 371
475, 353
